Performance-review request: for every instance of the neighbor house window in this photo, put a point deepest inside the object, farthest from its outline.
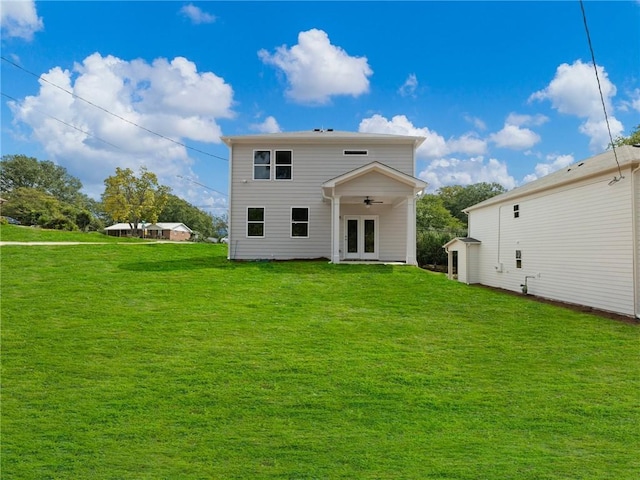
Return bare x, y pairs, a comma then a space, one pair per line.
518, 258
299, 222
262, 165
283, 164
255, 222
516, 211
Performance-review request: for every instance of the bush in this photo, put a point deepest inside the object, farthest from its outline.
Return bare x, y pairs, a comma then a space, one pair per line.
58, 223
429, 247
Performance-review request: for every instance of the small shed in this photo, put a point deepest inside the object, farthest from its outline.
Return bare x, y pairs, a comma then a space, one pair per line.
463, 259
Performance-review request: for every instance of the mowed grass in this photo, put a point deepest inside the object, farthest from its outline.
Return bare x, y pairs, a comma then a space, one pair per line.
21, 233
169, 362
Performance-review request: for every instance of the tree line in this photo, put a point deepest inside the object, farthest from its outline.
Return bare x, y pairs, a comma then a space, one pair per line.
44, 194
440, 217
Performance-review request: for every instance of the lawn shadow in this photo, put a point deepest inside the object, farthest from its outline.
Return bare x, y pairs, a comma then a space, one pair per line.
298, 267
195, 263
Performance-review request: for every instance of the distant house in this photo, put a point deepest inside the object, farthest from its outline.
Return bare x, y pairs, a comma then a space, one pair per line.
160, 230
572, 236
323, 194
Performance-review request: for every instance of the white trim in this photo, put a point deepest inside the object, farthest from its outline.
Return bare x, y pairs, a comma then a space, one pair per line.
361, 254
253, 164
275, 165
264, 223
291, 222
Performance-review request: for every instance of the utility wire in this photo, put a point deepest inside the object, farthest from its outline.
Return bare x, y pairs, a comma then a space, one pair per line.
65, 123
604, 108
202, 185
39, 77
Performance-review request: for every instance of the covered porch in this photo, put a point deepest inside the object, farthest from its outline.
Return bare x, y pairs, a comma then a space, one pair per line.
373, 215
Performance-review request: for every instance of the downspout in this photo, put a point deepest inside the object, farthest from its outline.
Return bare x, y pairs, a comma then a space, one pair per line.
634, 236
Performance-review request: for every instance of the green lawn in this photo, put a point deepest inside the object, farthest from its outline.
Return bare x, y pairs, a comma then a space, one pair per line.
161, 361
15, 233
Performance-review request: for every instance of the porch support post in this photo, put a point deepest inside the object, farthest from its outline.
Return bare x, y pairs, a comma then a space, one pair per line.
411, 230
335, 229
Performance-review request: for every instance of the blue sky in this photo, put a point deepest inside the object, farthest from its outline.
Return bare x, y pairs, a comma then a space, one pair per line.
503, 91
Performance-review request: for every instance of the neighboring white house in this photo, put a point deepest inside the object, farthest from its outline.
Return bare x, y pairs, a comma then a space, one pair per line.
571, 236
161, 230
323, 194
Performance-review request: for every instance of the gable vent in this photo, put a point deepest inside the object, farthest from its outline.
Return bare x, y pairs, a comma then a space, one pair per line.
356, 152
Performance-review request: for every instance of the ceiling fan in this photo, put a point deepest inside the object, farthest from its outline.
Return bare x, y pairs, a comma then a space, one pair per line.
368, 201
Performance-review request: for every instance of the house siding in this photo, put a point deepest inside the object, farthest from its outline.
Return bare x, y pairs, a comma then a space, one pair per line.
313, 164
576, 241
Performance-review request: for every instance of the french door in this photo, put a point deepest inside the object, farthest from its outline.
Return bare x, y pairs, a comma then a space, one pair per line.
361, 237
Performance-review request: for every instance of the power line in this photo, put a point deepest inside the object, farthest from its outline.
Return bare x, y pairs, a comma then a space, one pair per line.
604, 108
202, 185
40, 77
65, 123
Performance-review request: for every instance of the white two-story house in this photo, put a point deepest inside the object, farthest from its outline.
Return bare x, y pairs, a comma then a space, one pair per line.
572, 236
323, 194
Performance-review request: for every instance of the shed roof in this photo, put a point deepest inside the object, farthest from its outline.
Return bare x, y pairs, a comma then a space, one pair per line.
468, 240
628, 156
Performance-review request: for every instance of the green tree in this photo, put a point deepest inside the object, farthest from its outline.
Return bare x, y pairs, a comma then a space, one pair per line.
35, 207
18, 171
456, 197
633, 139
431, 214
179, 210
132, 199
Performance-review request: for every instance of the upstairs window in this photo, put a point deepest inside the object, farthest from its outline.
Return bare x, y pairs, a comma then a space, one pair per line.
283, 164
261, 165
255, 222
516, 211
355, 152
299, 222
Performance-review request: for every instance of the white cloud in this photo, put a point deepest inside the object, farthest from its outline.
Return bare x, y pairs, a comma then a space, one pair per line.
316, 70
19, 19
515, 137
476, 122
444, 169
270, 125
170, 98
521, 120
408, 88
469, 144
434, 146
555, 163
574, 91
196, 15
454, 171
633, 102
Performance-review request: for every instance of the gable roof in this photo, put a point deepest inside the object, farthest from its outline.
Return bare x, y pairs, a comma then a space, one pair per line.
151, 226
376, 167
468, 240
325, 136
628, 156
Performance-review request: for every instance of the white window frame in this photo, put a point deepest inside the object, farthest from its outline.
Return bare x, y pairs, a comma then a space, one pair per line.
275, 165
263, 222
516, 210
308, 222
268, 165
